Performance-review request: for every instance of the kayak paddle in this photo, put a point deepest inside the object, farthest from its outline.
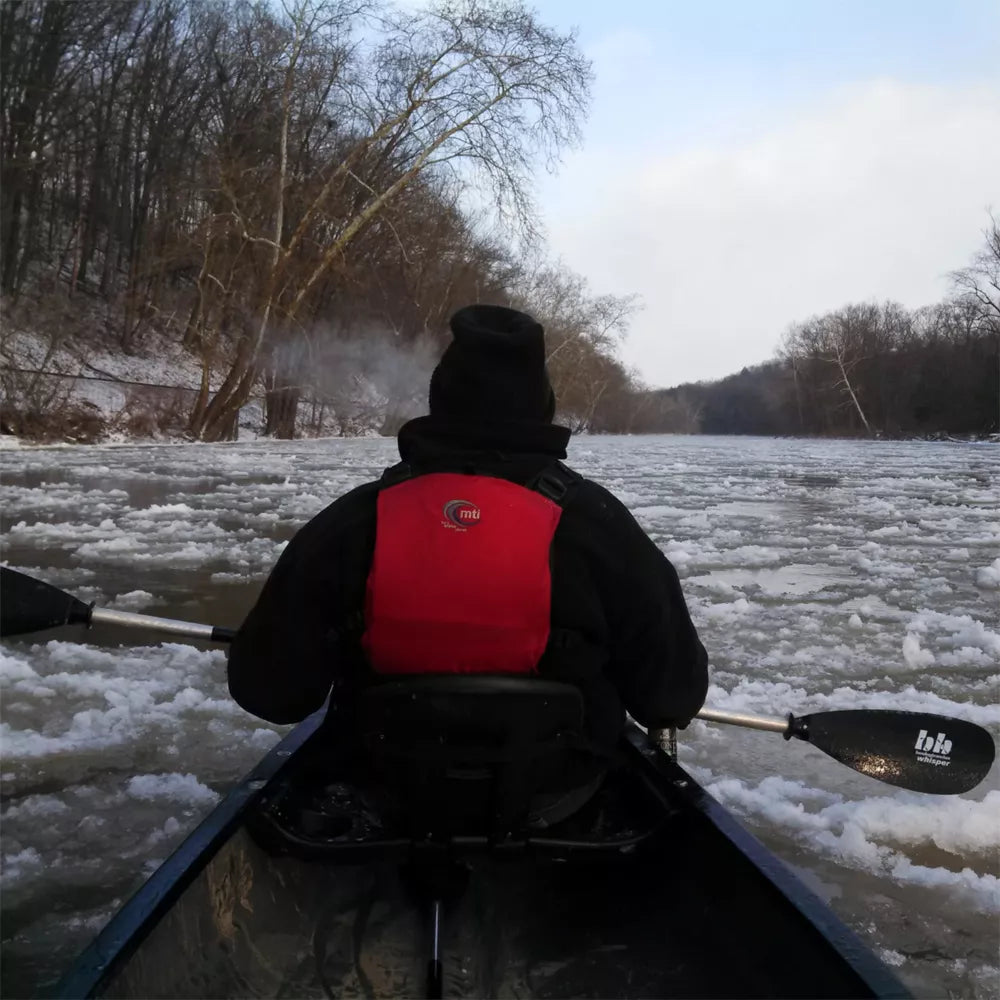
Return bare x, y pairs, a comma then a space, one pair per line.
30, 605
936, 754
929, 753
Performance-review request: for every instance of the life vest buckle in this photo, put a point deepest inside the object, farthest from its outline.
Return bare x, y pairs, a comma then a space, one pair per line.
551, 485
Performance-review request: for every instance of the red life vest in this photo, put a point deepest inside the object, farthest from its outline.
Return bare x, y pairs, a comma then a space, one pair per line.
460, 579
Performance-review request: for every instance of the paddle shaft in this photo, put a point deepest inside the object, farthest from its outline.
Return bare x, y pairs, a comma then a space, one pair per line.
769, 723
191, 630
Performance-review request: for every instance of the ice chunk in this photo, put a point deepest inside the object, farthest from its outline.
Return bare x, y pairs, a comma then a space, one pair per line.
185, 788
988, 577
134, 600
915, 656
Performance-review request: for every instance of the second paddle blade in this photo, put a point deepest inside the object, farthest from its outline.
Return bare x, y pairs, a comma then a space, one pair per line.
923, 752
30, 605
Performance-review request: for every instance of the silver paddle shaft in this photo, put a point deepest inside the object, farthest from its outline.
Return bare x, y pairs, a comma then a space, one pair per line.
436, 943
193, 630
771, 724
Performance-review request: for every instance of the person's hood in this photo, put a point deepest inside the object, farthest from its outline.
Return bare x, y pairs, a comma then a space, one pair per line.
433, 439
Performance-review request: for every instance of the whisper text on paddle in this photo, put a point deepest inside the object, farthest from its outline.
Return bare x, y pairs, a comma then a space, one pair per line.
933, 751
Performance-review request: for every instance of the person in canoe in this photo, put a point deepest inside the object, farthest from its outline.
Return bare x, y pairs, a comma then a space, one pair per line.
479, 553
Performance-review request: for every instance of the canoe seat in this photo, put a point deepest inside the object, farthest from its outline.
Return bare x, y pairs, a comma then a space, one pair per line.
473, 755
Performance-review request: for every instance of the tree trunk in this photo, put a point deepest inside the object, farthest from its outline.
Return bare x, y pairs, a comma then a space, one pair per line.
223, 423
11, 238
212, 422
846, 383
798, 395
192, 331
281, 408
28, 239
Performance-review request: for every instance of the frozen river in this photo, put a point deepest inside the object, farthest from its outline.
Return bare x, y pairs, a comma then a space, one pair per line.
820, 575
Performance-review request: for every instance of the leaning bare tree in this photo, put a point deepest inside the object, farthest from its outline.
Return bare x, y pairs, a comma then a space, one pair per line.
842, 342
478, 89
582, 333
981, 279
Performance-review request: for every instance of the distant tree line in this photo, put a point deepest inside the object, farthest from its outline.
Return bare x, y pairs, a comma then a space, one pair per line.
265, 180
867, 370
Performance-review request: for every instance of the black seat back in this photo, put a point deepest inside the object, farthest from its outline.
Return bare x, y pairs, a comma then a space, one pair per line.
466, 754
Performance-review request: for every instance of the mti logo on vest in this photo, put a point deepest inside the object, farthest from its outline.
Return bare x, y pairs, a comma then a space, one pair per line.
460, 514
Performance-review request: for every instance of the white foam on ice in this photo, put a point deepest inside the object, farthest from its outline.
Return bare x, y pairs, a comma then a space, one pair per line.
988, 577
727, 612
955, 824
176, 787
106, 697
134, 600
35, 807
171, 827
873, 833
912, 653
14, 668
20, 866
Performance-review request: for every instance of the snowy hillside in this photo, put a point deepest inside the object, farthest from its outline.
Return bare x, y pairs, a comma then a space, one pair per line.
63, 377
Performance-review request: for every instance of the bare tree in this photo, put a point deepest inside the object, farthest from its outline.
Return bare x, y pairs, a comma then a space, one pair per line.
843, 340
479, 89
583, 333
40, 46
981, 278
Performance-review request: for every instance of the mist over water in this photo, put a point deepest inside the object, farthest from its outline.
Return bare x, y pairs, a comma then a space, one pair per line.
820, 574
363, 382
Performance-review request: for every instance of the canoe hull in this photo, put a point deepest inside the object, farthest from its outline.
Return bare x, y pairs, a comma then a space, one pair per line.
697, 908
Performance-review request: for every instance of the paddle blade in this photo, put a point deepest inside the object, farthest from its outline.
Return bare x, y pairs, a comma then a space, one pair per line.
29, 605
926, 753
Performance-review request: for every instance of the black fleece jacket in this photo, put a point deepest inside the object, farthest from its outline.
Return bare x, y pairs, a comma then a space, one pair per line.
621, 630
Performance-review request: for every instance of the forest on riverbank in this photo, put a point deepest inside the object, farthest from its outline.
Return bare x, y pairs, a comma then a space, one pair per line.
218, 215
866, 370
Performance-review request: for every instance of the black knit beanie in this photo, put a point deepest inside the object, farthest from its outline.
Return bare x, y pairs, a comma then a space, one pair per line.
494, 368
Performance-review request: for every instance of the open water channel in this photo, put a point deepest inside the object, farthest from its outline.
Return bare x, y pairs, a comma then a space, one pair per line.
820, 575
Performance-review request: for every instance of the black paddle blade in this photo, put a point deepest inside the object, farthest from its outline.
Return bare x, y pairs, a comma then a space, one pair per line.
926, 753
29, 605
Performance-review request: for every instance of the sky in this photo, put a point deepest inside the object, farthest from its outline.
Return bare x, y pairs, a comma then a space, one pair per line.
747, 165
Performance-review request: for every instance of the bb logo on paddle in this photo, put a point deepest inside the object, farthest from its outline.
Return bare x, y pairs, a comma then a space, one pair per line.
461, 513
933, 751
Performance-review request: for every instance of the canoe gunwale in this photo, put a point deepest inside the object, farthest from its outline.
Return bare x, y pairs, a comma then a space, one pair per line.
878, 977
